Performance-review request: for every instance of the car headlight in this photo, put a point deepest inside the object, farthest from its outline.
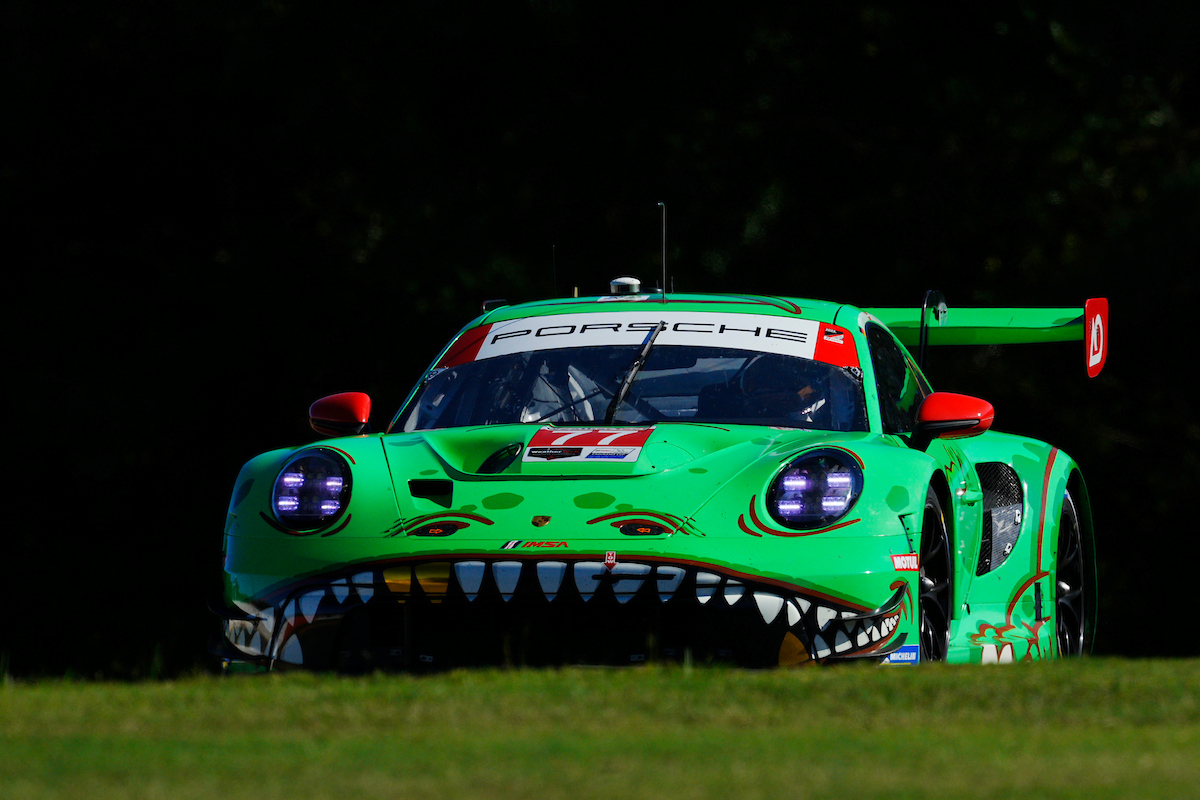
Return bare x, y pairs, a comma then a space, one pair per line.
312, 490
815, 490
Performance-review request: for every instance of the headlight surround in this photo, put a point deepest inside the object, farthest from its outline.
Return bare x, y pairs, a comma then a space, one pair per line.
815, 490
312, 490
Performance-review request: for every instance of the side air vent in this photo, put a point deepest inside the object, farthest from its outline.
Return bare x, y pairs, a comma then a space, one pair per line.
1003, 501
431, 488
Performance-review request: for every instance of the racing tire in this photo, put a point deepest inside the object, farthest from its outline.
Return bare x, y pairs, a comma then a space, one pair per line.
1070, 596
936, 582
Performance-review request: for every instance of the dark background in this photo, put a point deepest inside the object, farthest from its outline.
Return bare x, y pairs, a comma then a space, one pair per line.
221, 211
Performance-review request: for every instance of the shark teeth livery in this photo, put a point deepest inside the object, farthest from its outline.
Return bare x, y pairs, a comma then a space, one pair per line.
298, 634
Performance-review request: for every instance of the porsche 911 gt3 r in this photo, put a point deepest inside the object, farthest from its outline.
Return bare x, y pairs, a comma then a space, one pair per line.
758, 480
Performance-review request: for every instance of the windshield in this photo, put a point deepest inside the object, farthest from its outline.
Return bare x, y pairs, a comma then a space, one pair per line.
576, 385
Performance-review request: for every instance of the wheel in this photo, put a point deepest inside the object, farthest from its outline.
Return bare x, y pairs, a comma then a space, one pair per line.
936, 582
1070, 612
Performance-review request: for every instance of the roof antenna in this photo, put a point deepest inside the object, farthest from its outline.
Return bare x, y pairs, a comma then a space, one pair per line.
553, 272
663, 206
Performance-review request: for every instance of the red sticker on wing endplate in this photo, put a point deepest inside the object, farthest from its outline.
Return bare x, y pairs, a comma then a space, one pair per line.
1095, 314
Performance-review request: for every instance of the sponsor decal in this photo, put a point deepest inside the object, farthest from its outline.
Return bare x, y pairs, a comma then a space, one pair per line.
436, 529
760, 332
552, 453
836, 347
618, 453
521, 543
610, 559
907, 562
587, 444
906, 654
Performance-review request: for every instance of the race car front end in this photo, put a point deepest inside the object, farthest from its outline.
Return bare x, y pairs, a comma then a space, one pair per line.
697, 548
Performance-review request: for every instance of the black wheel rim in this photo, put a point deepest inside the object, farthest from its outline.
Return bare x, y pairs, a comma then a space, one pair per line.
935, 574
1069, 596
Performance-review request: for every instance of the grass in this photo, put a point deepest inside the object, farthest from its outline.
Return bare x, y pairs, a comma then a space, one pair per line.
1091, 729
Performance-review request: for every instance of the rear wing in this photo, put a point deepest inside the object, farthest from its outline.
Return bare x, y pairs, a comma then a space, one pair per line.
934, 324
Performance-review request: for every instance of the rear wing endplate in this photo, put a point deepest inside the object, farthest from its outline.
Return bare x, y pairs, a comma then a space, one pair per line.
934, 324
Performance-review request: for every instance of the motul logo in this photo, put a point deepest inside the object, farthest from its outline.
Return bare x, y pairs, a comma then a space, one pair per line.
906, 563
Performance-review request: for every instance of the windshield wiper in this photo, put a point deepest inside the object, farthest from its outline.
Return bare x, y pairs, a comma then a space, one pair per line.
631, 373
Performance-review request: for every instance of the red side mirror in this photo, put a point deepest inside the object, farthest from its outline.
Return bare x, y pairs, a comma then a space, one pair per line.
945, 415
342, 414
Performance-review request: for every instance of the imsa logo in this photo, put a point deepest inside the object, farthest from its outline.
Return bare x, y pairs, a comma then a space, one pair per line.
519, 543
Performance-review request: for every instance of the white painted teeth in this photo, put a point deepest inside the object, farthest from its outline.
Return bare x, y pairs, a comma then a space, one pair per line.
308, 604
585, 578
841, 633
793, 613
470, 576
820, 647
669, 579
733, 591
340, 590
550, 576
289, 614
506, 573
997, 654
626, 588
291, 652
769, 606
364, 582
824, 616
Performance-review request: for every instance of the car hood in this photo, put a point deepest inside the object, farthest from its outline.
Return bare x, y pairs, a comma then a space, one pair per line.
584, 480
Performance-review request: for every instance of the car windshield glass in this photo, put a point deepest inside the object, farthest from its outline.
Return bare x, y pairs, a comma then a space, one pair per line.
576, 385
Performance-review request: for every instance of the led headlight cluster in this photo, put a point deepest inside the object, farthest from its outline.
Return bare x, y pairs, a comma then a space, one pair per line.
815, 490
312, 490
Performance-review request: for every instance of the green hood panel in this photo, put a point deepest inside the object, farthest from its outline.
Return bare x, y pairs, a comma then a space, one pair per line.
463, 451
697, 480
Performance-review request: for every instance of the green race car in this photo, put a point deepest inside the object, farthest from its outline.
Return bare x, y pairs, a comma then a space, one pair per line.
753, 480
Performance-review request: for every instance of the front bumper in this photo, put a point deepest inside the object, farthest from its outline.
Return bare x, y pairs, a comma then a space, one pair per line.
427, 611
